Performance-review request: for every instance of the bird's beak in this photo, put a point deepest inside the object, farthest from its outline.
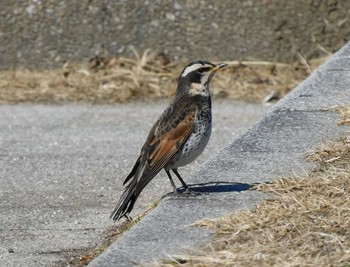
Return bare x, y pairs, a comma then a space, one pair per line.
219, 66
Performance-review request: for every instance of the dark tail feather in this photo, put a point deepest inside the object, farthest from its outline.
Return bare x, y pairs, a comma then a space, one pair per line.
137, 180
133, 171
128, 198
125, 204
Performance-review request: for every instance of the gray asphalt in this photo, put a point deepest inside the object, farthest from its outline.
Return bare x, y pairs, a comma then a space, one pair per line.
62, 167
274, 147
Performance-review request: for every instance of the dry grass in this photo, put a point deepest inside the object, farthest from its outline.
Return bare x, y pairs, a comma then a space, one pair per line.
307, 223
146, 76
344, 112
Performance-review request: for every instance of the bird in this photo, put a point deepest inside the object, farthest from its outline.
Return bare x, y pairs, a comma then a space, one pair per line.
177, 138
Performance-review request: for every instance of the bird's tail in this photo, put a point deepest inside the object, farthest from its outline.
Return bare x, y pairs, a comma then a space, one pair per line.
129, 196
138, 178
126, 203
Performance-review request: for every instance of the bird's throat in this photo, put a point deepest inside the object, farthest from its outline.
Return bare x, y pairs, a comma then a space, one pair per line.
198, 89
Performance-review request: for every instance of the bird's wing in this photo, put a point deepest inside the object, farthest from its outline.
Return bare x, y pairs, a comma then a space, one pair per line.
164, 141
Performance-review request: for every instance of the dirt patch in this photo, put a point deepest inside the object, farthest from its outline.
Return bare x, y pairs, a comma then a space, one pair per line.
146, 76
45, 33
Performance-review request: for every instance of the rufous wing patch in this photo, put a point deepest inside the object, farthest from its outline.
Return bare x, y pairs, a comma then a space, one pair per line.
170, 142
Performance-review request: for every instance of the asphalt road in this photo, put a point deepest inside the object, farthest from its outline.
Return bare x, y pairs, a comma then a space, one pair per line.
62, 167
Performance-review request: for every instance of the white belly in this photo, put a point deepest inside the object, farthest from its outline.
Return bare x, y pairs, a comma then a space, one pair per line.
193, 147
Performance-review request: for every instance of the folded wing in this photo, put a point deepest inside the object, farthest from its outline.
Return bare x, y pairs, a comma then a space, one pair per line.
164, 140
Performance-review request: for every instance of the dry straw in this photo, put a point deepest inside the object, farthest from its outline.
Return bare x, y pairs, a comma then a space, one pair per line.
146, 76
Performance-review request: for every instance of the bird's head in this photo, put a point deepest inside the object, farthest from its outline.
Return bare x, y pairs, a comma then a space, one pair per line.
195, 77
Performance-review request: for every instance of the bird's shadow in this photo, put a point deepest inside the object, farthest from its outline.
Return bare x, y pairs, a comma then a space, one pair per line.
218, 187
214, 187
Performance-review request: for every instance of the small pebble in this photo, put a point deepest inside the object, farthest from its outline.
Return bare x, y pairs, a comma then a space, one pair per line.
10, 250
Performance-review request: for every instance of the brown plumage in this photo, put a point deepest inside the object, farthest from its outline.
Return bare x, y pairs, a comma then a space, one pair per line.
178, 136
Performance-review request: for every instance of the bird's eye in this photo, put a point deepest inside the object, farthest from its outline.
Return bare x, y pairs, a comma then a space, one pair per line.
202, 70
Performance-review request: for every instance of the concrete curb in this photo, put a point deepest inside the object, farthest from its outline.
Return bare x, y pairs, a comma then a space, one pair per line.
274, 147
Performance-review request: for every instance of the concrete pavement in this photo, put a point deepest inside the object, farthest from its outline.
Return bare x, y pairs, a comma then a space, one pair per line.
62, 167
274, 147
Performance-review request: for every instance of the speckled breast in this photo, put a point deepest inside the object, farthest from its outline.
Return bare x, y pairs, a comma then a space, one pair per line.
196, 142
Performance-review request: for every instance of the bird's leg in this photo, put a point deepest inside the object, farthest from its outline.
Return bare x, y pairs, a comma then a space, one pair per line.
172, 182
180, 179
187, 189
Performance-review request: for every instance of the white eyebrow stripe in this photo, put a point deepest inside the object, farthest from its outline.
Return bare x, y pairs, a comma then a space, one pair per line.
190, 69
